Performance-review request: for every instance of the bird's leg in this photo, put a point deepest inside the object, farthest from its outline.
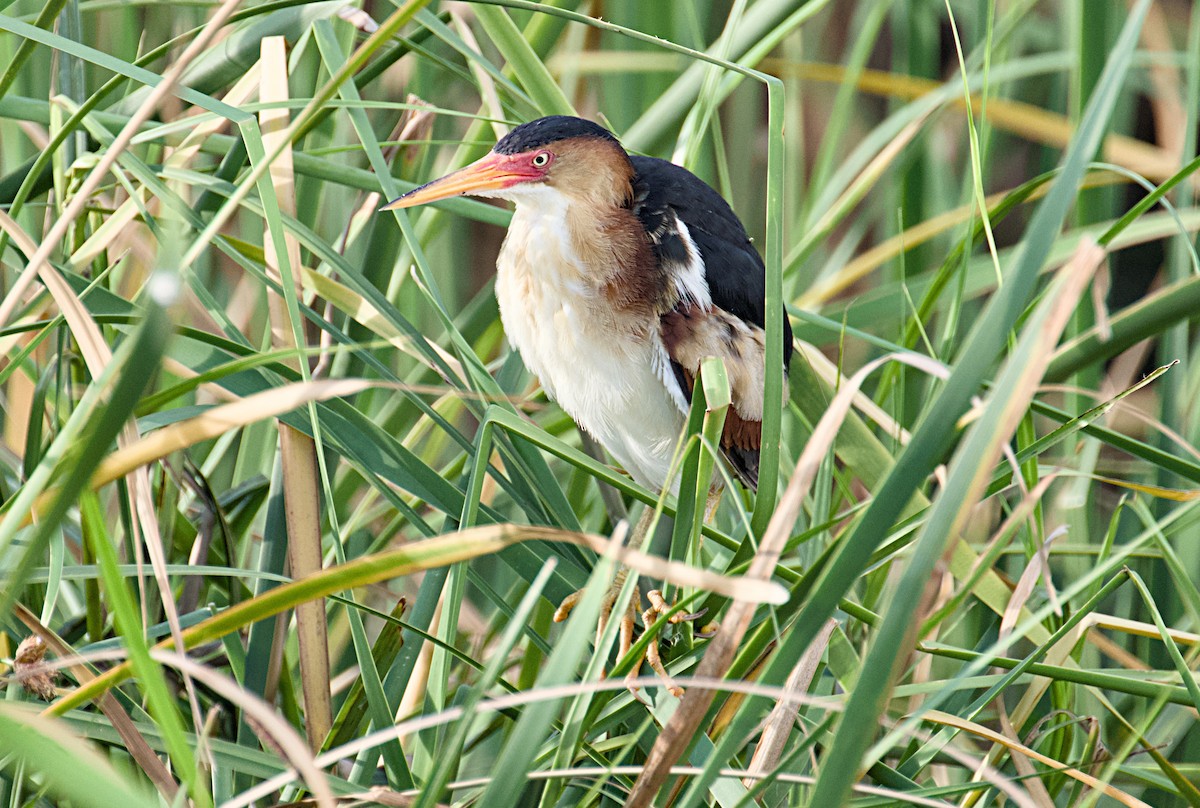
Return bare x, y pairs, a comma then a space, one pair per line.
710, 510
628, 619
711, 503
630, 613
610, 597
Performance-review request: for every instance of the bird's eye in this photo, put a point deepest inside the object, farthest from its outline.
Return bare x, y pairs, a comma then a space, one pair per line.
541, 159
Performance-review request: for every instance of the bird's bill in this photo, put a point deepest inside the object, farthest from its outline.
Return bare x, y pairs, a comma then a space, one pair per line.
494, 172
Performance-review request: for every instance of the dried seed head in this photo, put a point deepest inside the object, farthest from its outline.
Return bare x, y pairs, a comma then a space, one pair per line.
31, 670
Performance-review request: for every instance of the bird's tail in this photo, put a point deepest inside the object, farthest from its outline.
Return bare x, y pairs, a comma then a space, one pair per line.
744, 463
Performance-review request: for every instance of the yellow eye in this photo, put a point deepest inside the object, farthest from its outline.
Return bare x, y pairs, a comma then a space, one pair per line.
541, 159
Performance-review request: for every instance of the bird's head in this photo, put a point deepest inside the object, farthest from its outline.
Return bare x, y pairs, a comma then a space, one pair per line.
557, 154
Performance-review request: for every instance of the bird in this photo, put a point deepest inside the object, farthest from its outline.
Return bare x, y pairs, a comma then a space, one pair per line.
618, 276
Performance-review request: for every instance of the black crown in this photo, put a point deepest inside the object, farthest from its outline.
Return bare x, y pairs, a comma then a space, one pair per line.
550, 130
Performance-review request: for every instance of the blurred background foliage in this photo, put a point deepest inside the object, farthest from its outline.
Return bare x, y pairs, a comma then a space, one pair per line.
223, 370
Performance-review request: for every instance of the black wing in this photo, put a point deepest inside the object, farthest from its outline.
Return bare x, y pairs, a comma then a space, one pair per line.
664, 196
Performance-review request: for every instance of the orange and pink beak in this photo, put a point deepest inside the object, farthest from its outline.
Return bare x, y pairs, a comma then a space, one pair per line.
494, 172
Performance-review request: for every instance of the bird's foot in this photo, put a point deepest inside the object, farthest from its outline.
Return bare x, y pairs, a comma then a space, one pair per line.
658, 608
628, 619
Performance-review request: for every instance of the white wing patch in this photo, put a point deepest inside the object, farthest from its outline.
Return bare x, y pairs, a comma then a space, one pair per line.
662, 368
690, 280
